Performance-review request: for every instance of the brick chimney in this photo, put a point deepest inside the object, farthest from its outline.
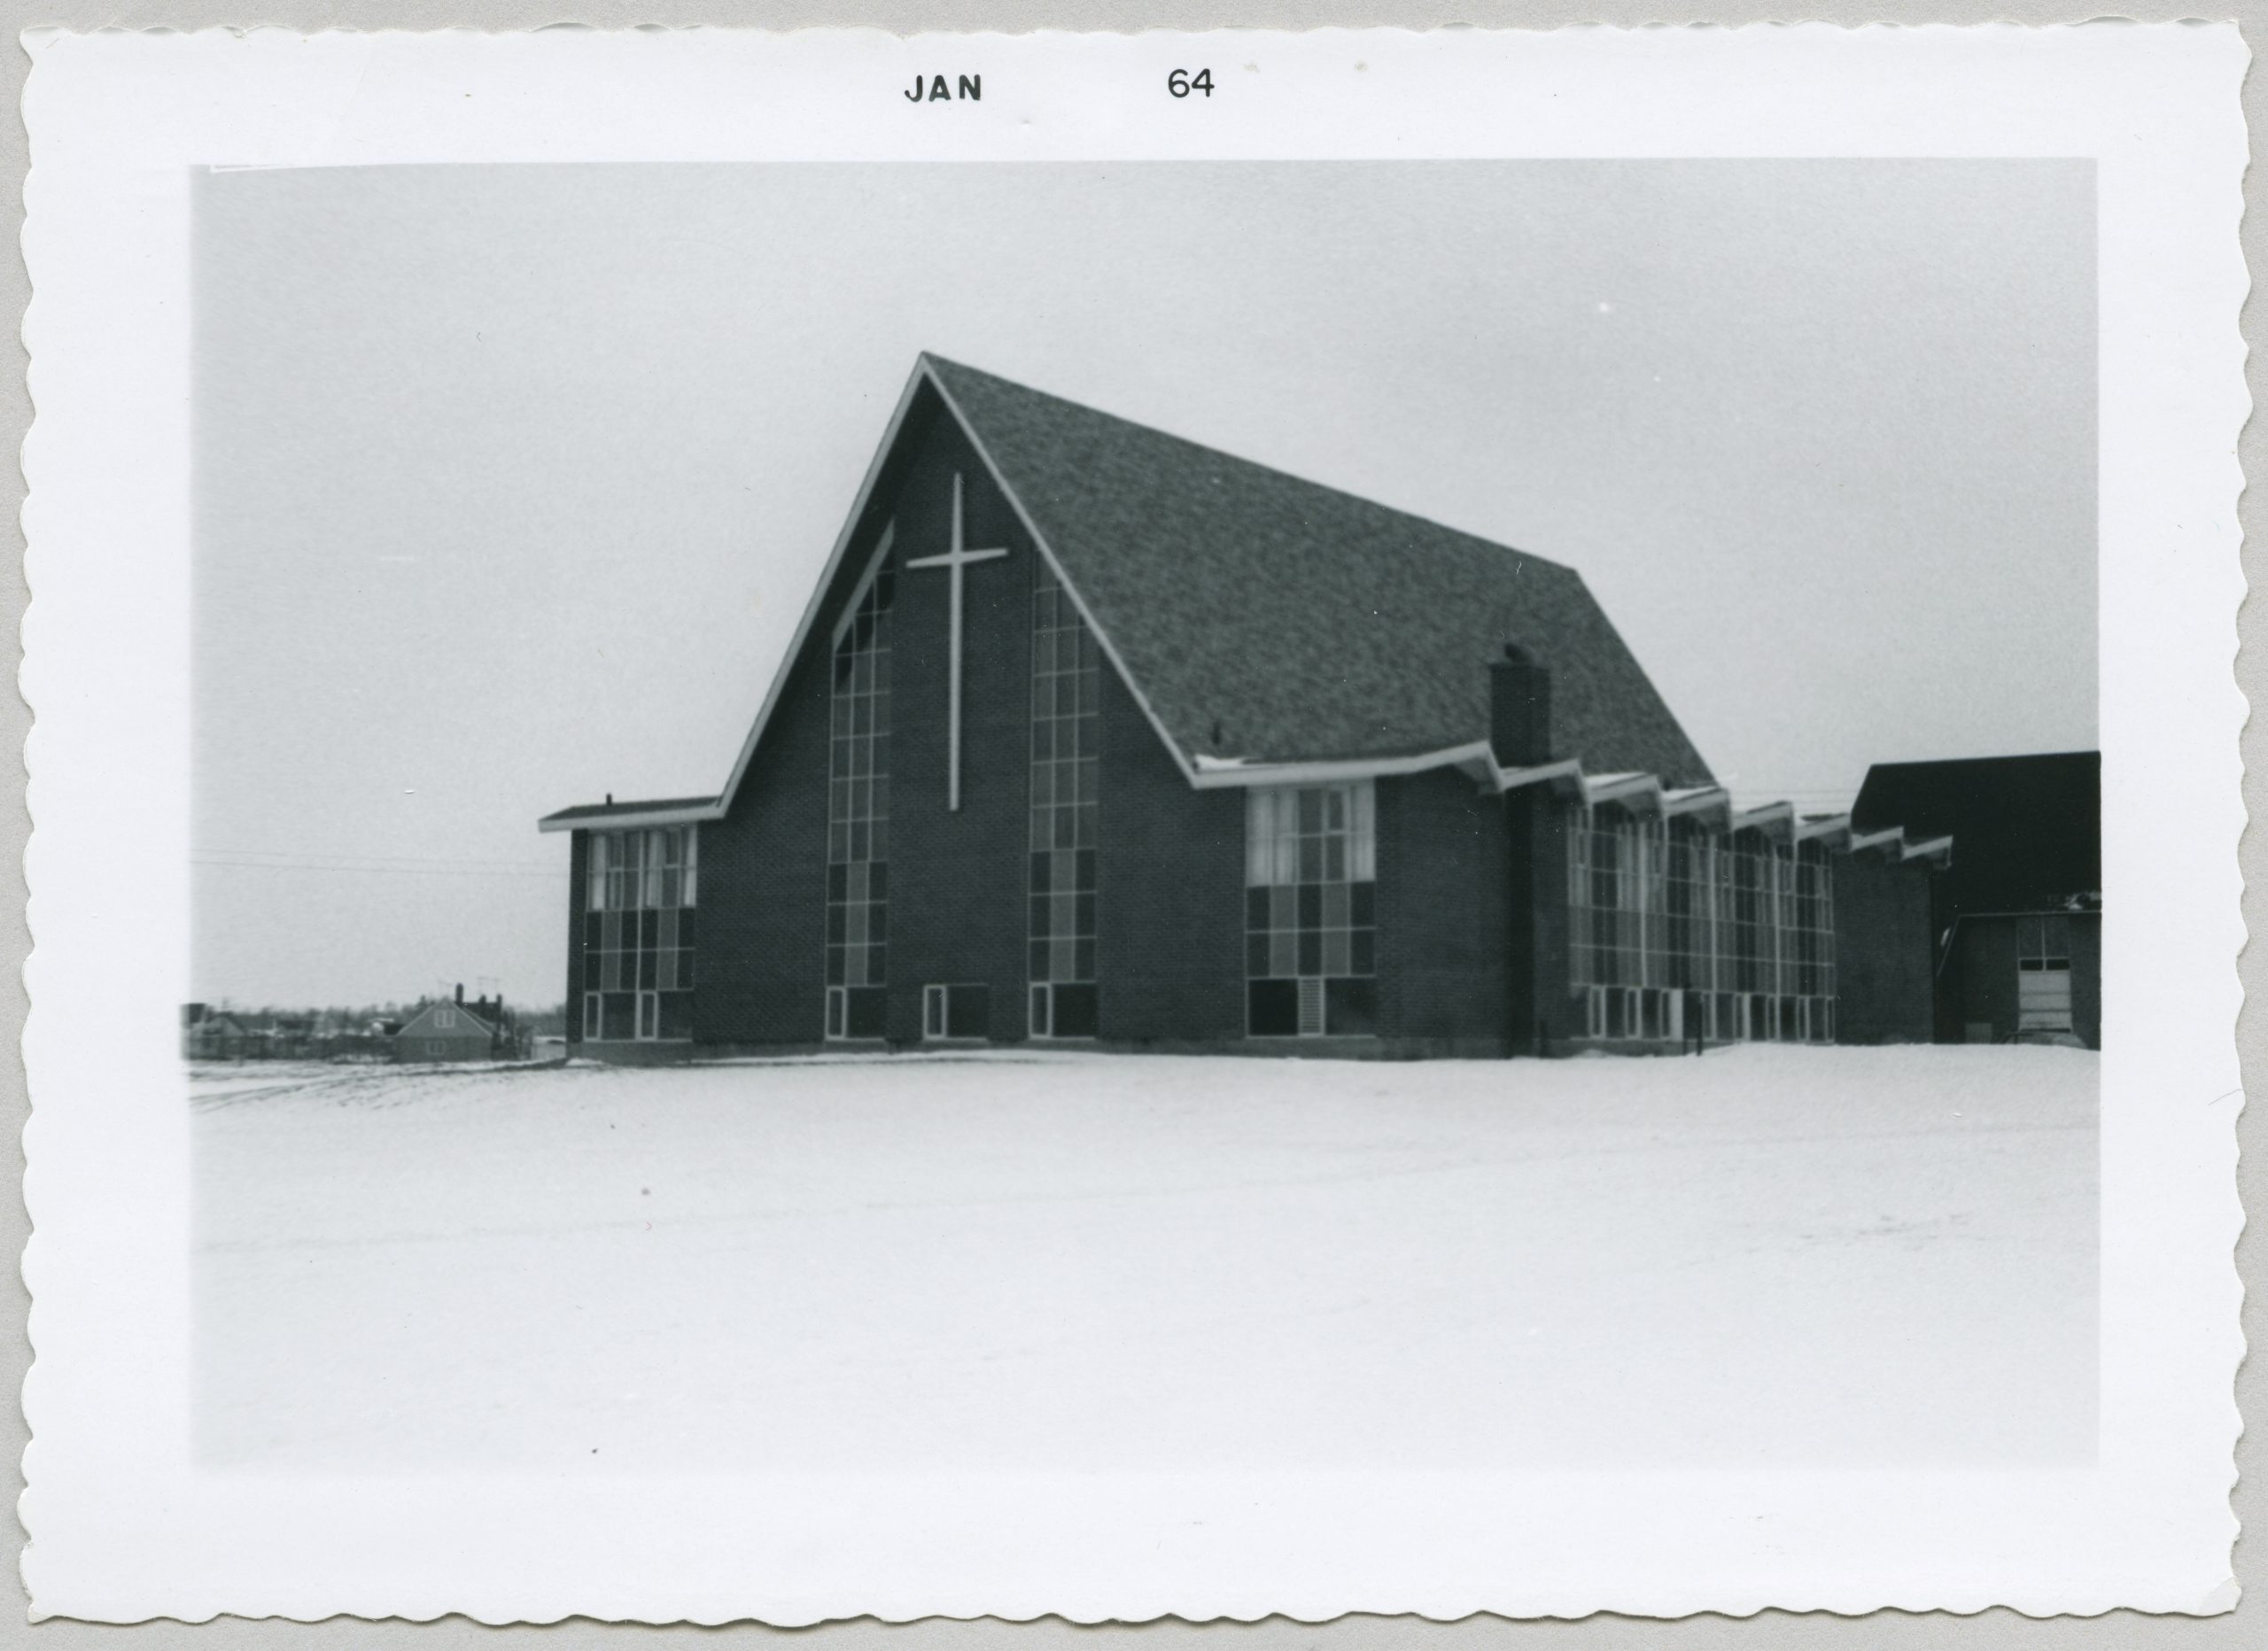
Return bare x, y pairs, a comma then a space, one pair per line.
460, 991
1520, 708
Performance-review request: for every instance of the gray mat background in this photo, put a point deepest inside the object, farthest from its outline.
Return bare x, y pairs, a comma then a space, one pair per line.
1998, 1631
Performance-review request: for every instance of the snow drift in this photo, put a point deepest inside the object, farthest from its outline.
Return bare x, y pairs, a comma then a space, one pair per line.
1765, 1257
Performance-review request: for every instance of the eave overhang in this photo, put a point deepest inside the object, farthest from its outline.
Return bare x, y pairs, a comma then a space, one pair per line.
1938, 850
627, 815
1776, 821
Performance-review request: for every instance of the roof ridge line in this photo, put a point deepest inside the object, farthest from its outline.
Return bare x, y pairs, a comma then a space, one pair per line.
1336, 492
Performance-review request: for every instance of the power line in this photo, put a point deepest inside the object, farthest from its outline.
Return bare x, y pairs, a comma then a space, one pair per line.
302, 855
371, 871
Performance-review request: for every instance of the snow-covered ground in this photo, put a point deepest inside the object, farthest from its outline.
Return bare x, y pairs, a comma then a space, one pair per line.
1767, 1256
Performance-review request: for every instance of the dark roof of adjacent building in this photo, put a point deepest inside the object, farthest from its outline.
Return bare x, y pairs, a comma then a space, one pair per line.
2027, 830
1307, 624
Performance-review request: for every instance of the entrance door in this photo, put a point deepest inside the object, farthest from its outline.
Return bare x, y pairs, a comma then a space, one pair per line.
2043, 974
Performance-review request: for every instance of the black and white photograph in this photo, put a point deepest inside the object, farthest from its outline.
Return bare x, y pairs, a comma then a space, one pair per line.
1220, 879
1076, 817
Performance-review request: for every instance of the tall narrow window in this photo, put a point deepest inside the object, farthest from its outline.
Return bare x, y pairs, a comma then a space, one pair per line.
1595, 897
1621, 954
639, 894
1786, 1010
1066, 733
1689, 901
1755, 941
1310, 911
1810, 943
857, 817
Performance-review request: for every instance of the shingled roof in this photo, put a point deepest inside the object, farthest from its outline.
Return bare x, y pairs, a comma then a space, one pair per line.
1267, 622
1308, 624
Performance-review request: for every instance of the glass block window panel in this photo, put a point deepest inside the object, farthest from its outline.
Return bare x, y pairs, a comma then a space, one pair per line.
639, 890
1066, 739
857, 812
1310, 910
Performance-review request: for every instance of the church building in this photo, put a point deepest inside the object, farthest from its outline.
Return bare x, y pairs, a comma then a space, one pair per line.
1093, 737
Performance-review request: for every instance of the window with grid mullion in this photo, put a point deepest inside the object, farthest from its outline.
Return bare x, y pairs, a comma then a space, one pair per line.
1310, 905
1671, 905
639, 894
859, 793
1066, 725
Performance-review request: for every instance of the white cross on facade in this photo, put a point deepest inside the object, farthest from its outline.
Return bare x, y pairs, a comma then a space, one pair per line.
955, 562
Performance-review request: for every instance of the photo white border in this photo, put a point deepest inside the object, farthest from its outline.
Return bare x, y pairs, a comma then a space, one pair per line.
124, 1528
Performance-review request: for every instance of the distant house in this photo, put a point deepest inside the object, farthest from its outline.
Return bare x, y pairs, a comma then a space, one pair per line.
2019, 915
209, 1034
450, 1030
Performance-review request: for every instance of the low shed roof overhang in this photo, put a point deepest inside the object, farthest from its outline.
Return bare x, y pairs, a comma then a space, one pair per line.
1641, 794
624, 816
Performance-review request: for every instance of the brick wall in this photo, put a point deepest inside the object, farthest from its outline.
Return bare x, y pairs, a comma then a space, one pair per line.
957, 901
760, 965
1983, 976
1538, 967
957, 887
760, 945
1885, 951
1169, 904
1445, 911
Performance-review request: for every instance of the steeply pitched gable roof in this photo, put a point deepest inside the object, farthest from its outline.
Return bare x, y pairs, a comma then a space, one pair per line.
2028, 829
1311, 624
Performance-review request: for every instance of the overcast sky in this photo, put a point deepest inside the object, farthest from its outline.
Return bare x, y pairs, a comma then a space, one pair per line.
512, 481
